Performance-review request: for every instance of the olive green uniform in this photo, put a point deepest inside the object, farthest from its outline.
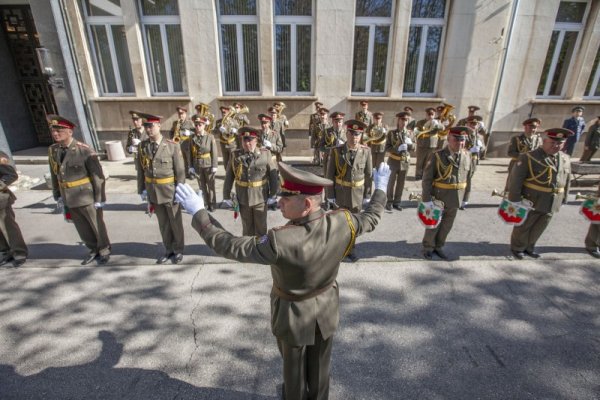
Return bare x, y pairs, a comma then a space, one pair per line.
471, 141
203, 153
426, 143
227, 141
78, 179
366, 117
444, 178
276, 142
177, 130
304, 256
160, 169
255, 178
316, 137
312, 129
11, 239
330, 139
592, 142
520, 144
543, 179
399, 162
375, 138
592, 239
347, 169
134, 133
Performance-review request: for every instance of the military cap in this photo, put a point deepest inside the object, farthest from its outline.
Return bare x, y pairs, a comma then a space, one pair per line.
403, 114
225, 108
135, 114
377, 114
460, 132
238, 104
249, 131
277, 104
355, 127
429, 109
364, 103
559, 134
264, 118
578, 108
180, 109
56, 121
318, 103
474, 118
295, 181
408, 109
150, 119
337, 115
323, 111
196, 118
473, 108
532, 121
439, 108
271, 110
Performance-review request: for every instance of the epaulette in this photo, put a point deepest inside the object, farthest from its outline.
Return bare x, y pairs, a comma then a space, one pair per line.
171, 141
364, 146
80, 144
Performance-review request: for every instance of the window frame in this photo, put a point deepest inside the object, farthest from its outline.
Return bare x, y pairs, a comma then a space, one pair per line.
293, 21
162, 21
425, 24
563, 28
595, 80
372, 23
238, 21
107, 22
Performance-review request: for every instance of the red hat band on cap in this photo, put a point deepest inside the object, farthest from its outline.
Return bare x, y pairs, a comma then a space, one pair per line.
298, 188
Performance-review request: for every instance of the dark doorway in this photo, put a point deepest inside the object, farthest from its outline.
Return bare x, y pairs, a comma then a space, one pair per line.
25, 92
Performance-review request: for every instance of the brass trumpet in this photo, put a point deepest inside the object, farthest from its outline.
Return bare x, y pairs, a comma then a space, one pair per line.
580, 196
412, 196
499, 194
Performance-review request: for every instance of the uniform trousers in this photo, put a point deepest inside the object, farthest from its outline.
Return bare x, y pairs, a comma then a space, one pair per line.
254, 219
171, 226
525, 237
306, 368
225, 154
396, 185
89, 223
206, 183
185, 150
592, 239
422, 156
467, 194
588, 154
378, 158
436, 238
11, 239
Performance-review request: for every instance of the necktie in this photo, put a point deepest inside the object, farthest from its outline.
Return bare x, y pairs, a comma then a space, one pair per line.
154, 147
63, 153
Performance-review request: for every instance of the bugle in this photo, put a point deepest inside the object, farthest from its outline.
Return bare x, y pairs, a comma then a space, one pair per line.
412, 196
580, 196
502, 194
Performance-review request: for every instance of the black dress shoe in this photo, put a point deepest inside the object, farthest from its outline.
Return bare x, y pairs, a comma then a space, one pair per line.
177, 258
428, 255
388, 206
594, 253
532, 254
103, 259
163, 259
89, 259
210, 208
17, 262
5, 259
518, 254
440, 254
418, 178
397, 207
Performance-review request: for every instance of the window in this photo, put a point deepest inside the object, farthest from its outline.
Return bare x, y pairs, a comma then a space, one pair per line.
164, 48
238, 33
424, 45
293, 43
563, 43
371, 43
106, 35
592, 89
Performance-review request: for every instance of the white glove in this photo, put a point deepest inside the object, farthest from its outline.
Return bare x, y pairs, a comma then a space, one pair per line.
428, 204
340, 142
135, 141
267, 144
228, 203
408, 141
222, 129
192, 171
286, 123
381, 177
403, 147
271, 201
144, 195
213, 170
98, 205
186, 132
474, 149
331, 201
189, 200
479, 143
233, 130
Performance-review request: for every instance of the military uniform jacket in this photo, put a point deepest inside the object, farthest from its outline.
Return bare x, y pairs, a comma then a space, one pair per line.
348, 175
319, 131
364, 116
313, 122
8, 175
541, 178
203, 151
376, 131
277, 126
430, 139
229, 140
445, 178
577, 125
179, 126
330, 138
522, 144
275, 139
134, 133
166, 163
79, 179
592, 139
255, 177
396, 159
242, 120
304, 256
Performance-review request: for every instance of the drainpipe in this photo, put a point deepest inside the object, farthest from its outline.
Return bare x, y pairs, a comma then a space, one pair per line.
79, 100
511, 23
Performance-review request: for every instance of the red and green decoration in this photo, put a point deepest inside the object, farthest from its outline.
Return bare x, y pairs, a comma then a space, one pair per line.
430, 217
512, 213
590, 209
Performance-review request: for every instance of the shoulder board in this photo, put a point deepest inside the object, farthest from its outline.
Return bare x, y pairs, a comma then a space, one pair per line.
364, 146
171, 141
264, 149
80, 144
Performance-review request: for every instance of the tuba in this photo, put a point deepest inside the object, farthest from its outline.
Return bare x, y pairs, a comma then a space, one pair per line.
203, 110
230, 124
375, 133
447, 116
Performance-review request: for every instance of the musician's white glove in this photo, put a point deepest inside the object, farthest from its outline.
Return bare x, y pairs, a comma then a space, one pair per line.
479, 143
340, 142
228, 203
213, 170
267, 144
331, 201
144, 195
428, 204
191, 201
286, 123
222, 129
132, 149
186, 132
98, 205
381, 177
135, 141
403, 147
474, 149
233, 130
408, 141
191, 171
271, 201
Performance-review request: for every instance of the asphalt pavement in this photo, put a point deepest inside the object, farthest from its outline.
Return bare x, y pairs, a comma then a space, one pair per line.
479, 326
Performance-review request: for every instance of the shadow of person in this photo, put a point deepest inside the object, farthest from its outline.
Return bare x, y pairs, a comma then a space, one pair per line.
100, 379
